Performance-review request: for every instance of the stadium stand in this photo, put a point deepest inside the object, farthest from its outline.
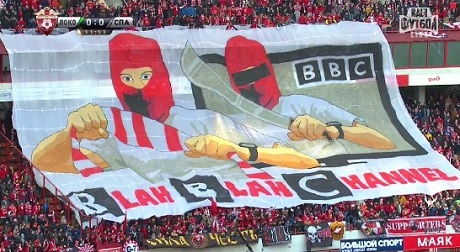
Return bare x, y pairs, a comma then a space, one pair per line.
33, 220
18, 15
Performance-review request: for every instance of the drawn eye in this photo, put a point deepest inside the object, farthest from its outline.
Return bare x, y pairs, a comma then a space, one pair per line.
127, 78
146, 76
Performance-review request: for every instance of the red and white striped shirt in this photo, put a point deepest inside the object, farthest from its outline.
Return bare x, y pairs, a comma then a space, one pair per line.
134, 130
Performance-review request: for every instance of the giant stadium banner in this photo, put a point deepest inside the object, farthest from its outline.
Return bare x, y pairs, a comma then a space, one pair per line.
162, 122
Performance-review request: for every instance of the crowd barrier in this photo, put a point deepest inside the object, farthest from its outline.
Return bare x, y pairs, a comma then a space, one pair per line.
352, 241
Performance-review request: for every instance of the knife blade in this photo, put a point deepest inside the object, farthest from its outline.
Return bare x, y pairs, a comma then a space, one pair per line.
203, 76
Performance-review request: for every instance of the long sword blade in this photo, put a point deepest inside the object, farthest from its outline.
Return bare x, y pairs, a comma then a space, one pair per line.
203, 76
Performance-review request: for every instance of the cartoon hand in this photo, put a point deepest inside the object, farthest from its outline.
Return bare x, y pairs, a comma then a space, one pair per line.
209, 146
307, 127
284, 156
89, 122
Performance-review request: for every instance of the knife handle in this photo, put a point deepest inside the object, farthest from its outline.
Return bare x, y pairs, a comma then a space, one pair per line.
325, 133
327, 137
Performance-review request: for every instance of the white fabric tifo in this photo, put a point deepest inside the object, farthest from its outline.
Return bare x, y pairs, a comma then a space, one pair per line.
55, 75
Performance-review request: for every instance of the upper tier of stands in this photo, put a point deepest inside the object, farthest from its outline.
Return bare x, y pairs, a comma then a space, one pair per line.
152, 14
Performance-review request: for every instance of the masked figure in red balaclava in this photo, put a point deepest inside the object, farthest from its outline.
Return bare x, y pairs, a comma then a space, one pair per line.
252, 76
140, 77
251, 73
170, 137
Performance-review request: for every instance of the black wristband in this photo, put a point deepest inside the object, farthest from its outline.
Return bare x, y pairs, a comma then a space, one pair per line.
253, 153
341, 133
338, 126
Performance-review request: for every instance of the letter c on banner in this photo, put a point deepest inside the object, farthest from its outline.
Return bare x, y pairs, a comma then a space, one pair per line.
303, 185
358, 64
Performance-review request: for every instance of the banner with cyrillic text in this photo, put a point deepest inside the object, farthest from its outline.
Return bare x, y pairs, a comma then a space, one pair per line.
210, 240
376, 244
432, 241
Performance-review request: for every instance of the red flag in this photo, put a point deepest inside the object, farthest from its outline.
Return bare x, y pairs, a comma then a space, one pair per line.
125, 222
214, 210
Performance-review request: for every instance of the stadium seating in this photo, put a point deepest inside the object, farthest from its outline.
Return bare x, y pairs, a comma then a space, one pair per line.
18, 15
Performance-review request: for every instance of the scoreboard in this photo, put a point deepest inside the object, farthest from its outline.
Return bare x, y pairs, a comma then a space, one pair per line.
95, 26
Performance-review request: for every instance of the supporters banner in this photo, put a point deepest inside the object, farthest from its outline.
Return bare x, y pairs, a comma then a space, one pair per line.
377, 244
434, 241
373, 228
275, 235
318, 235
160, 122
405, 226
204, 240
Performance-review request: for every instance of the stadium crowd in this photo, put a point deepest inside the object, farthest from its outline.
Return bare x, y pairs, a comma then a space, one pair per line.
29, 222
151, 14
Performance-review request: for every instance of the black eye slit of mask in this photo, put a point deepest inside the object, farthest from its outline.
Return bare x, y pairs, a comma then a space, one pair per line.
251, 75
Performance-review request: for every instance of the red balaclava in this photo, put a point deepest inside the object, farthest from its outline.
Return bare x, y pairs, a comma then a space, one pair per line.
132, 51
251, 73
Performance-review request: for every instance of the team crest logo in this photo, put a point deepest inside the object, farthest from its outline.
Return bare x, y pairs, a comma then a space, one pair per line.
47, 20
131, 246
199, 241
337, 230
